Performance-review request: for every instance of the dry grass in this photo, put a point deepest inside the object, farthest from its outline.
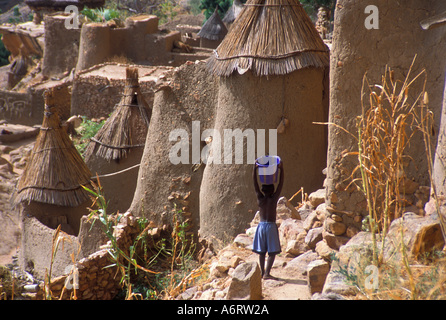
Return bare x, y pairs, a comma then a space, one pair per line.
392, 115
270, 37
55, 171
385, 129
127, 126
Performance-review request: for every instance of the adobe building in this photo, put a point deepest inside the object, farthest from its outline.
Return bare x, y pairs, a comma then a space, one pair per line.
366, 44
262, 87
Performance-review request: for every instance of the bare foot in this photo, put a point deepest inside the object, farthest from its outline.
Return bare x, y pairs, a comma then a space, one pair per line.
269, 277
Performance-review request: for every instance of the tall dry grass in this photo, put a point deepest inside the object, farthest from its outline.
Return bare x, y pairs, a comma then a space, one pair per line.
389, 121
392, 115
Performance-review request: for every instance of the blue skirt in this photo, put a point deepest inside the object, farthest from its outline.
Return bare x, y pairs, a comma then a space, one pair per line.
266, 238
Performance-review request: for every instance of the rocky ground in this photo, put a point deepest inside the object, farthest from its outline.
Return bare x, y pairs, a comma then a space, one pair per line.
307, 267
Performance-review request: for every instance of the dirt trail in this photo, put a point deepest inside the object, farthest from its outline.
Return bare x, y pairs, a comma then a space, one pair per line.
289, 285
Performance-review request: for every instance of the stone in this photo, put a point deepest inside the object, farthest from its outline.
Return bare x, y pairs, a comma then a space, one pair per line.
255, 221
327, 296
321, 212
246, 283
214, 271
300, 263
310, 220
351, 231
296, 247
317, 197
304, 211
420, 235
324, 250
333, 241
313, 237
243, 240
337, 283
289, 229
317, 271
251, 231
335, 227
286, 210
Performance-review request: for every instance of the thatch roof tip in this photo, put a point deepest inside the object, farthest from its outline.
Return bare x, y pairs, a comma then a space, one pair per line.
55, 171
127, 126
270, 37
213, 28
233, 12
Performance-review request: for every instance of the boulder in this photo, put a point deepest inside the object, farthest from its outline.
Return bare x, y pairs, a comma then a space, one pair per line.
420, 235
300, 263
246, 283
313, 237
243, 240
324, 250
333, 241
310, 221
317, 271
289, 229
286, 210
338, 284
317, 197
297, 246
335, 227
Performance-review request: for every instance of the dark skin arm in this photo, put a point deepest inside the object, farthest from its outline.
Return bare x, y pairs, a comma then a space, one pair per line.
280, 185
256, 184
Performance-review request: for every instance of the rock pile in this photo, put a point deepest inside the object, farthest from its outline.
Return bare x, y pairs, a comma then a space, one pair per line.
312, 250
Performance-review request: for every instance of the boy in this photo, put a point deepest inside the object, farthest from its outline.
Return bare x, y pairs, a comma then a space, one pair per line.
266, 238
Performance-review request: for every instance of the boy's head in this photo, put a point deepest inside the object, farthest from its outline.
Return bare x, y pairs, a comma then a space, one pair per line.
267, 189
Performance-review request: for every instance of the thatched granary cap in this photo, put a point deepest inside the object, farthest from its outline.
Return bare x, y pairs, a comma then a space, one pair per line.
270, 37
60, 5
213, 28
127, 126
233, 12
55, 172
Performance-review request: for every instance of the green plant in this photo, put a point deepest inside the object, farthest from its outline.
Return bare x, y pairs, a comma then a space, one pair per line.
101, 14
4, 54
172, 258
87, 130
312, 6
166, 10
124, 259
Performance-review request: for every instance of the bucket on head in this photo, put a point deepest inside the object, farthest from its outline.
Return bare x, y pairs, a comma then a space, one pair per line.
268, 173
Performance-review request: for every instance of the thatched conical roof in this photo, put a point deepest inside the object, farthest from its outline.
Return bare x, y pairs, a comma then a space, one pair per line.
270, 37
233, 12
55, 172
127, 126
213, 28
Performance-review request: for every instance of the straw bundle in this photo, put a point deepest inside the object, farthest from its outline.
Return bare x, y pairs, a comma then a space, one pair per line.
55, 172
233, 12
213, 28
127, 126
270, 37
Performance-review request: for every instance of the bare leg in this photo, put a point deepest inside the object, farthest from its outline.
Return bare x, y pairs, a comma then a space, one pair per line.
269, 265
262, 262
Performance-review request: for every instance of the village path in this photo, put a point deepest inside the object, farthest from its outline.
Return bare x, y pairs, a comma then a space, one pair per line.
290, 283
